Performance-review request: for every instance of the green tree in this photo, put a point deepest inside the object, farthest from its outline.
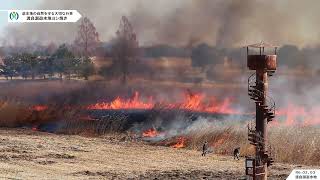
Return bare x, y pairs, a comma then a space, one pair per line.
9, 68
28, 65
46, 66
203, 55
86, 68
24, 65
71, 66
63, 60
291, 56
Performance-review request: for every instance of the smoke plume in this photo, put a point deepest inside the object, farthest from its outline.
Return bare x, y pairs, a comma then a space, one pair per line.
184, 22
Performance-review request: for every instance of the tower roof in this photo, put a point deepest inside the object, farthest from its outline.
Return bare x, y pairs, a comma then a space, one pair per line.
262, 45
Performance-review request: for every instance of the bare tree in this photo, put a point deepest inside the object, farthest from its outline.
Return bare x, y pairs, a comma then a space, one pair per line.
87, 38
125, 49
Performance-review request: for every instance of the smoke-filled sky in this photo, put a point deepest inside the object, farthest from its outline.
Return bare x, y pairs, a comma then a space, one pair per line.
179, 22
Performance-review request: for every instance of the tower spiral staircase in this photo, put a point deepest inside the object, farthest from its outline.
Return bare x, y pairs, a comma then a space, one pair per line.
257, 96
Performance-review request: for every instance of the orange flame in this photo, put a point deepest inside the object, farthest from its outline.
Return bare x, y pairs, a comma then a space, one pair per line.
180, 143
296, 115
191, 102
150, 133
39, 108
195, 102
119, 103
34, 128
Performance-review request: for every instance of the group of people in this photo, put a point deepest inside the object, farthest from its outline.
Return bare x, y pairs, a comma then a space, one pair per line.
206, 149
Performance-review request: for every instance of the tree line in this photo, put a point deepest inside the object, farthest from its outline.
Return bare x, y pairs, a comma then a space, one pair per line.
62, 62
67, 61
75, 60
32, 65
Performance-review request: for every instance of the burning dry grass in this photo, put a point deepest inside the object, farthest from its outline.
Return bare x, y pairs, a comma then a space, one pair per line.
289, 144
13, 113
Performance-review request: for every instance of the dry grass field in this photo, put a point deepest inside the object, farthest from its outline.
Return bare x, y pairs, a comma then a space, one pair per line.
27, 154
296, 145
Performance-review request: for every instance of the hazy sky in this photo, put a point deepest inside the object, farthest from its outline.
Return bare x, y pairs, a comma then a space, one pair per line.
14, 4
177, 22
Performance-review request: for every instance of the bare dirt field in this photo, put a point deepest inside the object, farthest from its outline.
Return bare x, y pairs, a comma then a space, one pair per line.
26, 154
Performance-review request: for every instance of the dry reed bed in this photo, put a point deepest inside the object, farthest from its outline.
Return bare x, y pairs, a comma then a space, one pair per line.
299, 145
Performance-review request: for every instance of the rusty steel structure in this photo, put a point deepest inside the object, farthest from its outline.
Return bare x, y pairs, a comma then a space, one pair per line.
264, 65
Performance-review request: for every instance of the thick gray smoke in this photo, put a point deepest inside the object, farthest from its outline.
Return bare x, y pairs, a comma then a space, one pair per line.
185, 22
221, 23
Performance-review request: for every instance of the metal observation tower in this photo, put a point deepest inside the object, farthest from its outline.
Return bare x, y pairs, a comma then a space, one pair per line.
262, 58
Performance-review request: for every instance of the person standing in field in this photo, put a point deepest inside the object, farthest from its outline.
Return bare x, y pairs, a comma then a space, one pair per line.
205, 148
236, 153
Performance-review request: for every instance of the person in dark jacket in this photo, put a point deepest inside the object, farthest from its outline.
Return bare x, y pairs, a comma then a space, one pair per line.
236, 153
205, 148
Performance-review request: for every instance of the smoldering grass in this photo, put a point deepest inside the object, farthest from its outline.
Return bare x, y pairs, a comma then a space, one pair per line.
85, 125
13, 113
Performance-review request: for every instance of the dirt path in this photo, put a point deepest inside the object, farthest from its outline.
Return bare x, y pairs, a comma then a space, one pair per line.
25, 154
